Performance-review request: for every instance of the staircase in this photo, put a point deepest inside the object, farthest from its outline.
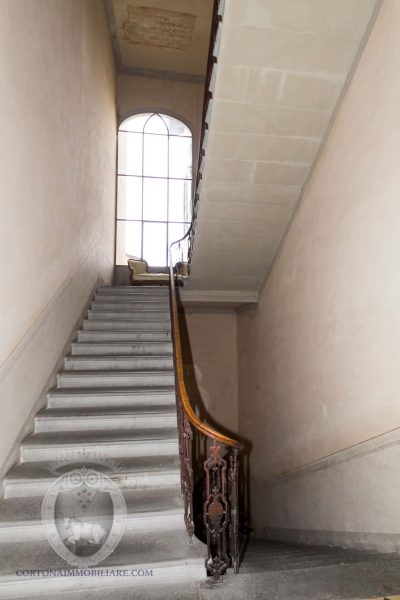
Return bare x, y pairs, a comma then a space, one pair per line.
112, 412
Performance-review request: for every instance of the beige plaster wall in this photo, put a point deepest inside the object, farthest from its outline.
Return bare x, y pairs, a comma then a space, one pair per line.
181, 99
319, 369
212, 376
57, 181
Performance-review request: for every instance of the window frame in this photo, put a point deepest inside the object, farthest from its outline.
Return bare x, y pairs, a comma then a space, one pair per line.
166, 222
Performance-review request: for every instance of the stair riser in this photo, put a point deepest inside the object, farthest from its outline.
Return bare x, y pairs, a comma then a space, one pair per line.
131, 301
118, 363
21, 587
81, 401
124, 336
100, 325
134, 291
104, 423
119, 315
160, 521
77, 380
125, 348
139, 307
114, 450
27, 489
131, 298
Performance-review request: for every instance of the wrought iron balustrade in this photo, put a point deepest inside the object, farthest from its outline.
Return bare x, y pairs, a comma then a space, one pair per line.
211, 63
204, 449
208, 457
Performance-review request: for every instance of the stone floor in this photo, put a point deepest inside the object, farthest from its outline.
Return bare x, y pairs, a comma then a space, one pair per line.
283, 572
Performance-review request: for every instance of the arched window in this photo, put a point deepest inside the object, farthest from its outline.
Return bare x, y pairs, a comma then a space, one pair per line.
154, 186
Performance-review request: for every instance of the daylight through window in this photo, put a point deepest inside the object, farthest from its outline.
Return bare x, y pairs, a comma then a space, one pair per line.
154, 186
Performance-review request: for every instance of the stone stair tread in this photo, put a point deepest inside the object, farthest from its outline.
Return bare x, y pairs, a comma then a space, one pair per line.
135, 289
121, 348
125, 336
20, 511
140, 307
112, 411
129, 315
43, 470
118, 391
154, 297
117, 362
129, 312
116, 358
119, 373
109, 436
166, 329
120, 396
137, 548
104, 378
129, 324
141, 501
156, 591
132, 302
112, 343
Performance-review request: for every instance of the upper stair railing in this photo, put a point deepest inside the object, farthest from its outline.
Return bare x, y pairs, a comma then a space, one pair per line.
207, 456
220, 463
215, 36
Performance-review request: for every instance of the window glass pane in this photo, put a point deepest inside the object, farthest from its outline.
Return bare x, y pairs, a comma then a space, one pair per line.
155, 156
166, 147
176, 127
129, 204
180, 194
155, 199
155, 243
130, 153
175, 232
135, 123
180, 157
156, 124
128, 241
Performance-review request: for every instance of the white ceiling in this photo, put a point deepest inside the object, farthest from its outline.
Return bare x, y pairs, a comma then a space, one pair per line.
161, 37
282, 65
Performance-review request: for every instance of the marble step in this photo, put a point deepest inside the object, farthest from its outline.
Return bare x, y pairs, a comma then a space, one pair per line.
107, 444
139, 307
149, 509
126, 325
98, 379
95, 418
139, 291
123, 336
125, 397
118, 363
161, 591
110, 348
34, 478
129, 315
161, 556
132, 300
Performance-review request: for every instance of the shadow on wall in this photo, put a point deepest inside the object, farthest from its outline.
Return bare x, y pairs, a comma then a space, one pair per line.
201, 444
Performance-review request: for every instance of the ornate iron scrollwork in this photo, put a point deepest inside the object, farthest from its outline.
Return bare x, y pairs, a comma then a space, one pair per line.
216, 512
186, 440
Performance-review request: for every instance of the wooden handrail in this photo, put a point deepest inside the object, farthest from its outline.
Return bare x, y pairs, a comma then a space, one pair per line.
177, 347
220, 466
210, 432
